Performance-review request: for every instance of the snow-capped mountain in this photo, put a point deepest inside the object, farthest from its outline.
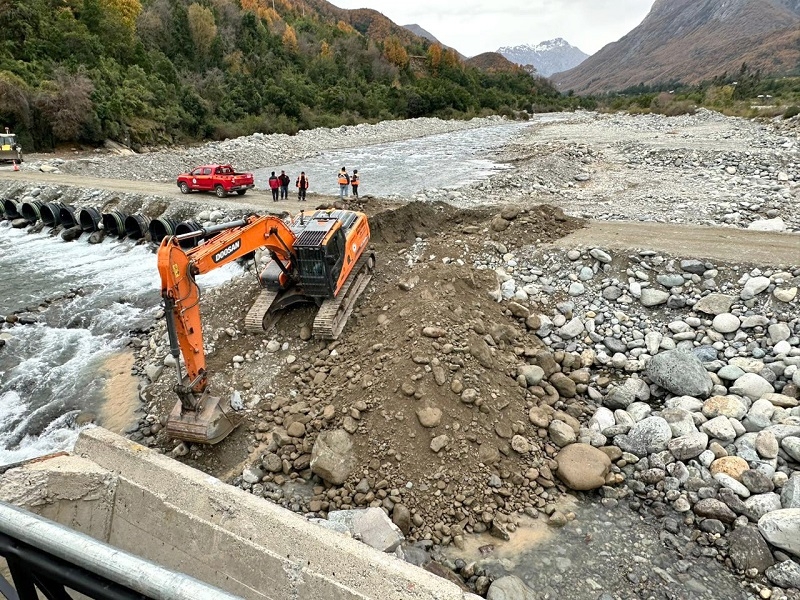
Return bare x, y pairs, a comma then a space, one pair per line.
552, 56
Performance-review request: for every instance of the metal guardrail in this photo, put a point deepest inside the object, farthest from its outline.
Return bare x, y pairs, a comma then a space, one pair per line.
53, 560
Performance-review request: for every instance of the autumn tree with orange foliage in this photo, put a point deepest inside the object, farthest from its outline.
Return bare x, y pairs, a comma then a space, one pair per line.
290, 39
325, 50
128, 10
435, 57
395, 52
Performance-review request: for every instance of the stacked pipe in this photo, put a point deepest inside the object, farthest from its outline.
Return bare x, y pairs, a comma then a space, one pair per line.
114, 223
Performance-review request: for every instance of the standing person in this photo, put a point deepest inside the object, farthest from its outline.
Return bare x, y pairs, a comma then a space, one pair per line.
302, 186
274, 184
284, 181
354, 181
344, 183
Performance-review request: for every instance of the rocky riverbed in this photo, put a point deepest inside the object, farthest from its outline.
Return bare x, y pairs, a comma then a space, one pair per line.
489, 375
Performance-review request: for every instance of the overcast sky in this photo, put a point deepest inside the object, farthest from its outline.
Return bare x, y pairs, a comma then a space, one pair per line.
476, 26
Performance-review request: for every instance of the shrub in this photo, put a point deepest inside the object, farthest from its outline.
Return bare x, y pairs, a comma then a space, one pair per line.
682, 107
792, 111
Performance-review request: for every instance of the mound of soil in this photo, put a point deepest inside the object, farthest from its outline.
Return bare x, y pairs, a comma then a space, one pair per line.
425, 378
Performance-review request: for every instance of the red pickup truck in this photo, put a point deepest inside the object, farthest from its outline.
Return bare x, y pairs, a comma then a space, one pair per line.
221, 179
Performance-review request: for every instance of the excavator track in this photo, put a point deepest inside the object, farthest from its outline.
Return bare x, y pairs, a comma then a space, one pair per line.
254, 321
334, 312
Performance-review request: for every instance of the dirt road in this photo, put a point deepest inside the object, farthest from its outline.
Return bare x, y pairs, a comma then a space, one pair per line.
717, 243
256, 199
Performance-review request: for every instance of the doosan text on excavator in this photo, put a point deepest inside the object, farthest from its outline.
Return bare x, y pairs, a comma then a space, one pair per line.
321, 259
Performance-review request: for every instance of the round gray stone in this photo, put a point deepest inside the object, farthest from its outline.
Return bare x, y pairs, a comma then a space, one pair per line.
681, 373
726, 323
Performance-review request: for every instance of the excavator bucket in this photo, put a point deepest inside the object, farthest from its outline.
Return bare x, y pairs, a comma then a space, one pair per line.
213, 420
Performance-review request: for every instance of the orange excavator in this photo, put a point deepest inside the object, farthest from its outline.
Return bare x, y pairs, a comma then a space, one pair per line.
320, 259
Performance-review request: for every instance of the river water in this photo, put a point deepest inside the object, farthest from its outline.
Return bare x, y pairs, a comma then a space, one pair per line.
53, 370
400, 169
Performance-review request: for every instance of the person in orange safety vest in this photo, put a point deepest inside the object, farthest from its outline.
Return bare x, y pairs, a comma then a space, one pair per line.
344, 183
354, 181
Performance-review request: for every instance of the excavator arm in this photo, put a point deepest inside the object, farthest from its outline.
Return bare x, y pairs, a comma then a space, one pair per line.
178, 268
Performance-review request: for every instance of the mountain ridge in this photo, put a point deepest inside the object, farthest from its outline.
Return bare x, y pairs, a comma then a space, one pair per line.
549, 56
690, 41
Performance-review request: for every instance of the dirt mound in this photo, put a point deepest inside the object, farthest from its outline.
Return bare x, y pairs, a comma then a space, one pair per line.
513, 224
420, 219
426, 379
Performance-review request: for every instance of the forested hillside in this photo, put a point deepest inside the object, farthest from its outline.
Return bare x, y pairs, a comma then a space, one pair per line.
159, 71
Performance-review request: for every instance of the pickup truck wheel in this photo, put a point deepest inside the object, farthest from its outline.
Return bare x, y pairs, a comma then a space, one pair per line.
220, 191
184, 188
241, 192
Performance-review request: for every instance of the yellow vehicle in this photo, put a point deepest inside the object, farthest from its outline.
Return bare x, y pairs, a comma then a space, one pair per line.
10, 150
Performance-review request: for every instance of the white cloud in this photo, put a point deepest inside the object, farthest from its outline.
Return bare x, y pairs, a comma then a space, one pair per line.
476, 26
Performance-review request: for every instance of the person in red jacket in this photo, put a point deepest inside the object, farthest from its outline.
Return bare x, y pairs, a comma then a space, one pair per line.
302, 186
274, 185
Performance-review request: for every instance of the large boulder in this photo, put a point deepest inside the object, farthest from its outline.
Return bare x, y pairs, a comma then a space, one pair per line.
372, 526
332, 456
646, 437
781, 528
681, 373
785, 574
748, 550
714, 304
582, 467
751, 386
510, 587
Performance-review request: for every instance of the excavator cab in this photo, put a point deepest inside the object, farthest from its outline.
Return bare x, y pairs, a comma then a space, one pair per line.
320, 250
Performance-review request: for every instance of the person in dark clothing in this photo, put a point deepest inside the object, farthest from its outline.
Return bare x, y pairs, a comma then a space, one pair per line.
354, 181
274, 184
284, 180
302, 186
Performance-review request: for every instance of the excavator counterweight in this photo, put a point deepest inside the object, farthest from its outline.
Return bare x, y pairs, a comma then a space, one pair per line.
320, 259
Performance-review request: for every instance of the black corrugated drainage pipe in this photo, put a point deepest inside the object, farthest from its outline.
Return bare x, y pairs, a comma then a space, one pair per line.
136, 226
89, 219
188, 227
31, 211
50, 213
114, 223
66, 217
11, 210
161, 228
